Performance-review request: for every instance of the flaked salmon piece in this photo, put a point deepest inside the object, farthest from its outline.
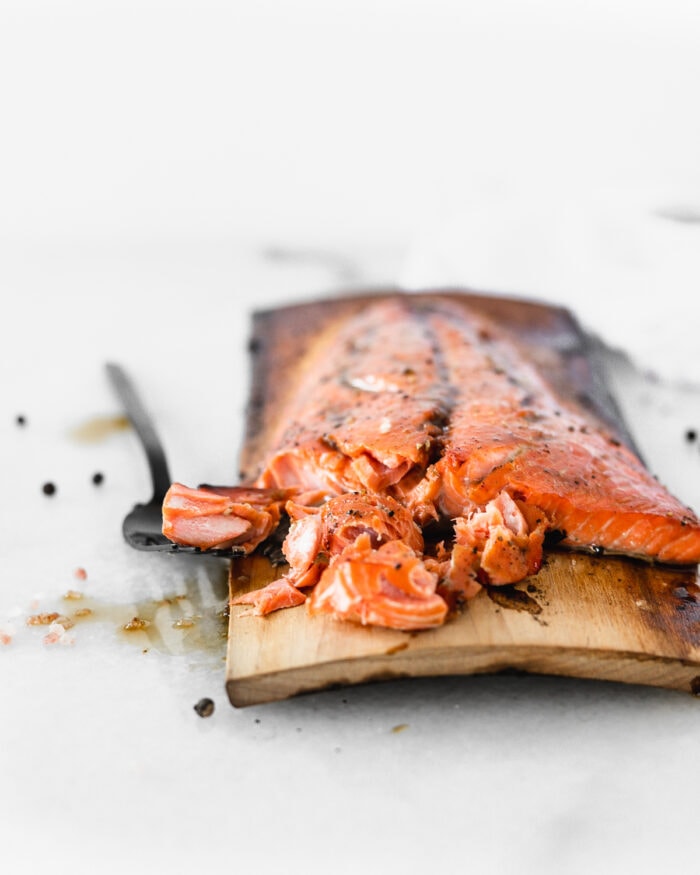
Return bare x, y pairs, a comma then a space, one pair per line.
278, 594
318, 535
498, 543
389, 586
301, 549
380, 517
222, 517
303, 546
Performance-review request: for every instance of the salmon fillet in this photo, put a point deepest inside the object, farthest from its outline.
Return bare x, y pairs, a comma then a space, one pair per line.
423, 455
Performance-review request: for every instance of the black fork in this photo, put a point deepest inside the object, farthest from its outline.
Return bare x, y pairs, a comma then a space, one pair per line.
142, 526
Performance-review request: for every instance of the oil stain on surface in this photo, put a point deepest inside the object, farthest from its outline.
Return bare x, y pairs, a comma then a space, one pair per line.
99, 428
192, 621
172, 624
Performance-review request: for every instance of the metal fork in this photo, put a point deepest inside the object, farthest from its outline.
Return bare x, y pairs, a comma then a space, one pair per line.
142, 526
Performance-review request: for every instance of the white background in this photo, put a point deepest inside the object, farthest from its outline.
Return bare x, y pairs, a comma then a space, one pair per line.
165, 168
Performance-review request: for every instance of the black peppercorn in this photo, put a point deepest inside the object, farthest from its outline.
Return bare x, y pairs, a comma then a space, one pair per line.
205, 707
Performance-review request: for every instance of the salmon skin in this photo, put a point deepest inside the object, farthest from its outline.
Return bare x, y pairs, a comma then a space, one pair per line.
423, 455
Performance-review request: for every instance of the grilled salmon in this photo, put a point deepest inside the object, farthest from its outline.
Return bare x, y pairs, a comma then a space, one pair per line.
216, 517
319, 536
386, 586
423, 455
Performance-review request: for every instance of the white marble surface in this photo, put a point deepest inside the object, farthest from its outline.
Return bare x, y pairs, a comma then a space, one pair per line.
169, 168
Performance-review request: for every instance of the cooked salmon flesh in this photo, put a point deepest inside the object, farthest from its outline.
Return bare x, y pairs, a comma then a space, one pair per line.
422, 456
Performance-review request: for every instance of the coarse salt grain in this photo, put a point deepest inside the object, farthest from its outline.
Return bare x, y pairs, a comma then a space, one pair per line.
57, 634
7, 632
42, 619
136, 624
385, 426
72, 595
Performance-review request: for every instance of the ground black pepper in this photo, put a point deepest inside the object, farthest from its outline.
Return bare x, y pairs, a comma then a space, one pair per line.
98, 478
21, 420
691, 435
48, 488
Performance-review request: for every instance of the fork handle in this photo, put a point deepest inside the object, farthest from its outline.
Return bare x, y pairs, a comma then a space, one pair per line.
142, 423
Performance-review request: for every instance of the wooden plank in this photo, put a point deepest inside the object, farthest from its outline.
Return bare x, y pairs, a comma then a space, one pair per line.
581, 616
